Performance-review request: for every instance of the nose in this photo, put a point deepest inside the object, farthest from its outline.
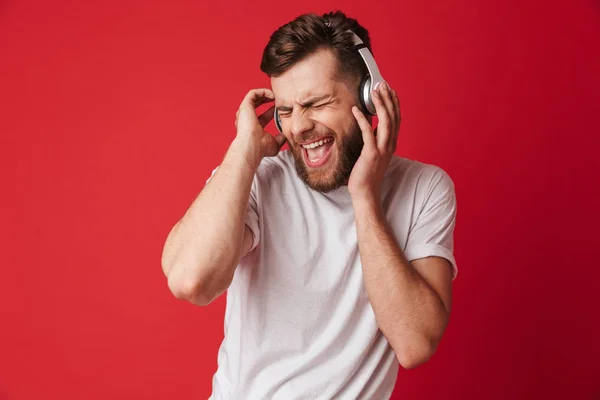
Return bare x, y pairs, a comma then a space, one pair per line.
300, 123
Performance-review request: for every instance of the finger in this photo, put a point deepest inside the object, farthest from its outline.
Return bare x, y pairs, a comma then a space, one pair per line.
386, 97
267, 116
365, 127
396, 104
256, 97
384, 124
397, 116
280, 139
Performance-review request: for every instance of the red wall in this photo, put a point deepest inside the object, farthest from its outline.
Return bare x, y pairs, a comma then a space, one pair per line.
113, 115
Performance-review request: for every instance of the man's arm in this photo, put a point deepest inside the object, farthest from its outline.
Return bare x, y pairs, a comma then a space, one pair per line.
203, 249
167, 250
411, 301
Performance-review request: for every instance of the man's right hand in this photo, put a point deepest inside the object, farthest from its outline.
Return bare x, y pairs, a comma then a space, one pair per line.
250, 127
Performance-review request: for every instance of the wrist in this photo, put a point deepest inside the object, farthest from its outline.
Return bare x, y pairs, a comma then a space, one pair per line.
365, 198
367, 203
246, 151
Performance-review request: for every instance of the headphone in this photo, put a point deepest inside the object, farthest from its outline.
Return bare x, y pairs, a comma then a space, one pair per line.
367, 85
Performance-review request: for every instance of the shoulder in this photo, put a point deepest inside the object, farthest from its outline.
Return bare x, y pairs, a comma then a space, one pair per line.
275, 168
418, 176
269, 167
418, 180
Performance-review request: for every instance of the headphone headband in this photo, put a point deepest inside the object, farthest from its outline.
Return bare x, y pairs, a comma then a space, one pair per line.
375, 76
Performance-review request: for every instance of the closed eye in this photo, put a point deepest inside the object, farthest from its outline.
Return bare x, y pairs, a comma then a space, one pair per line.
321, 105
288, 112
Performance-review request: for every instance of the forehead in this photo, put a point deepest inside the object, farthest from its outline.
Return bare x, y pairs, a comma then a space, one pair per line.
312, 76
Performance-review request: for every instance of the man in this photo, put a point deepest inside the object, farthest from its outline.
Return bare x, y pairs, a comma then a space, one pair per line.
337, 255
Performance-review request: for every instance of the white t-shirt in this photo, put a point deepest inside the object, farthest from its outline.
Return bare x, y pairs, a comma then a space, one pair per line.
298, 322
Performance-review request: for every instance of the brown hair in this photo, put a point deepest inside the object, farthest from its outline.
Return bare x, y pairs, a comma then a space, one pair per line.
301, 37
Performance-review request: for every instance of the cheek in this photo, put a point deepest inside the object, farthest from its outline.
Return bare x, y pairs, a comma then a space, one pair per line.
340, 121
344, 129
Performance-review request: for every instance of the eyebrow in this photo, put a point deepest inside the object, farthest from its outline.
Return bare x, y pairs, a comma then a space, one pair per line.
306, 103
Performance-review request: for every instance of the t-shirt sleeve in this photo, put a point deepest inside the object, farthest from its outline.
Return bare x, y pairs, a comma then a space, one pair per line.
433, 232
251, 218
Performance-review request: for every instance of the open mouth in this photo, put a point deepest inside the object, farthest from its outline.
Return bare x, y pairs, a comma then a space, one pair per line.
317, 153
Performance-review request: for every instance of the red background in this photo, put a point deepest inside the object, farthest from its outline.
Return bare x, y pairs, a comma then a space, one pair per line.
113, 115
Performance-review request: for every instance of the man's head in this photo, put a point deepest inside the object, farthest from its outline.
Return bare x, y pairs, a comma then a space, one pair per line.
315, 76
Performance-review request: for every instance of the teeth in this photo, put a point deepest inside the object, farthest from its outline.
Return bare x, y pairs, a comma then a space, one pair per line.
317, 144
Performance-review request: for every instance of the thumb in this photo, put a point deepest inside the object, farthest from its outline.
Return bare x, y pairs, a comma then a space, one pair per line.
280, 139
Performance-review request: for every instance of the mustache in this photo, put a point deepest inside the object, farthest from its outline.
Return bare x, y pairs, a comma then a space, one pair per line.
314, 136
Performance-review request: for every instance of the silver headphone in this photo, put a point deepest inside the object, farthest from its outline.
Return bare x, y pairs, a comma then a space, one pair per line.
367, 85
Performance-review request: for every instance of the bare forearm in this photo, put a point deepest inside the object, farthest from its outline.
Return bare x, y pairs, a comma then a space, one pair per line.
203, 249
408, 311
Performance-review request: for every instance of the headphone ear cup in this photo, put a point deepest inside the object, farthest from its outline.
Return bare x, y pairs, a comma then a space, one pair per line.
277, 121
366, 101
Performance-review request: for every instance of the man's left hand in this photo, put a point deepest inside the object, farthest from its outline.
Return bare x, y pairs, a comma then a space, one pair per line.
379, 145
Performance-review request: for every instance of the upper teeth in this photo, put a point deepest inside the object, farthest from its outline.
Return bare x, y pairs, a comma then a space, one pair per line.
317, 144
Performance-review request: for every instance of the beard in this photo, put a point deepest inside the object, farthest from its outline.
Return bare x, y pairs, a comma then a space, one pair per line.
347, 151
